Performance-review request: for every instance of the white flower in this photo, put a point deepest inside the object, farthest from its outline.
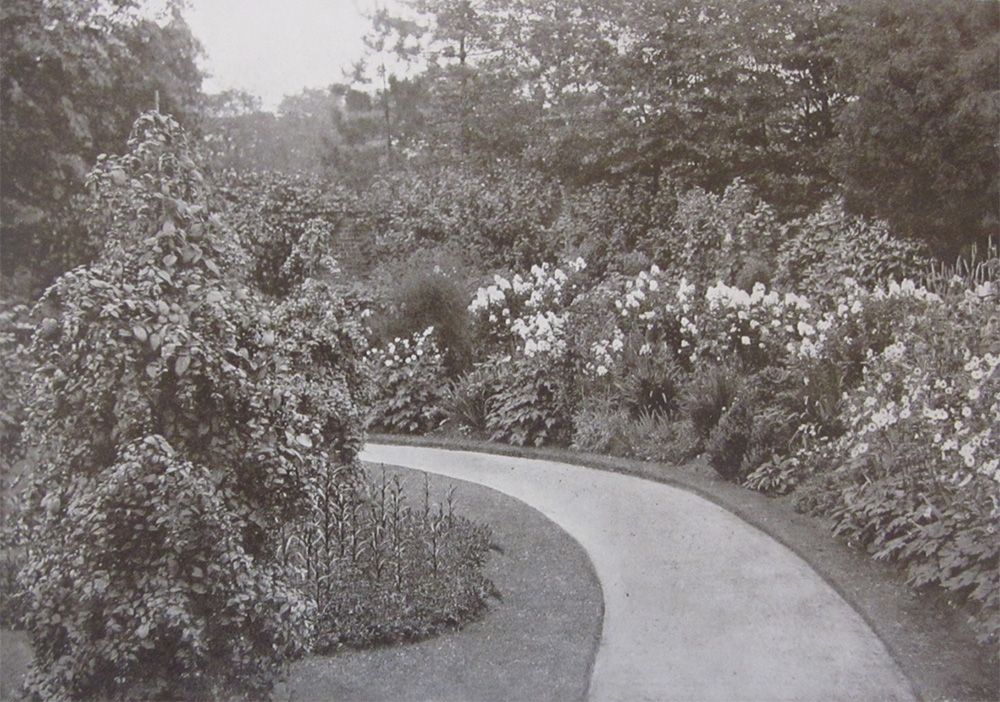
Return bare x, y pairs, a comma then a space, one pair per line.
968, 454
602, 370
745, 340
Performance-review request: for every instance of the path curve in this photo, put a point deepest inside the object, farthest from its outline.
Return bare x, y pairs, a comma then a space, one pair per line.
699, 605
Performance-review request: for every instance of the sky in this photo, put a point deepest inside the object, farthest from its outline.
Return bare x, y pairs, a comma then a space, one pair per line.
273, 48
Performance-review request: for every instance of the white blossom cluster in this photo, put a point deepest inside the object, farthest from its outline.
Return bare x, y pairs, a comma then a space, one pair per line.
403, 352
528, 310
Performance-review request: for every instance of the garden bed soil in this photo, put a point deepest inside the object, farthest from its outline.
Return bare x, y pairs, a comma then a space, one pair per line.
932, 642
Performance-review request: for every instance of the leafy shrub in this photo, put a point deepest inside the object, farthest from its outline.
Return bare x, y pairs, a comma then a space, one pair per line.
500, 213
651, 382
285, 223
707, 395
410, 383
710, 236
604, 223
466, 400
729, 441
601, 427
158, 567
914, 478
13, 596
424, 298
757, 427
831, 245
778, 475
659, 438
178, 419
531, 405
384, 571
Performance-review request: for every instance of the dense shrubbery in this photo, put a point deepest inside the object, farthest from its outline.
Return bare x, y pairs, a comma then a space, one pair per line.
174, 428
499, 215
288, 225
409, 374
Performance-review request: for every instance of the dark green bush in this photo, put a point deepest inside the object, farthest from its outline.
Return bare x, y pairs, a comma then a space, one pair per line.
601, 427
286, 224
177, 419
498, 214
430, 297
466, 401
756, 427
652, 382
708, 393
729, 441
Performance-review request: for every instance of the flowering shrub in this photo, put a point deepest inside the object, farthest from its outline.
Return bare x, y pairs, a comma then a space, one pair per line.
526, 315
915, 475
831, 245
409, 377
178, 419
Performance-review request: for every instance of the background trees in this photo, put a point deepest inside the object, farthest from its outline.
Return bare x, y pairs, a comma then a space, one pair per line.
918, 144
74, 77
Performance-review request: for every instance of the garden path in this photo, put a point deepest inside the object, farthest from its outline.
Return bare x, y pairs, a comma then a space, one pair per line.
699, 605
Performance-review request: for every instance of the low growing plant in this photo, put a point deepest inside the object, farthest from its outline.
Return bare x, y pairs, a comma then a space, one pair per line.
385, 567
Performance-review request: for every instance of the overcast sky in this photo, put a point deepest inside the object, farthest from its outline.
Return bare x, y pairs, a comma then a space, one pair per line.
274, 48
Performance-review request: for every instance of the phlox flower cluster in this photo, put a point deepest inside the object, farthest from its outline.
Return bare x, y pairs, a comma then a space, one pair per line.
527, 312
542, 333
759, 324
652, 307
605, 354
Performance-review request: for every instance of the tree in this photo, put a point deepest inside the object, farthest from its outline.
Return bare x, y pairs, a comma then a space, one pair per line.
918, 142
73, 75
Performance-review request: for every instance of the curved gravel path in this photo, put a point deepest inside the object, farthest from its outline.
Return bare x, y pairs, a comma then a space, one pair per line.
699, 605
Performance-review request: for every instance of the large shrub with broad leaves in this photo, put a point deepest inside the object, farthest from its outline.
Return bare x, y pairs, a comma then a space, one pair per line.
178, 419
